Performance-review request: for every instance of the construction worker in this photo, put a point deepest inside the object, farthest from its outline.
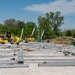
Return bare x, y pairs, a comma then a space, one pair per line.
18, 40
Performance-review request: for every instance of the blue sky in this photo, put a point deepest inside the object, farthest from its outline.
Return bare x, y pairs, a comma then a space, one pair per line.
29, 10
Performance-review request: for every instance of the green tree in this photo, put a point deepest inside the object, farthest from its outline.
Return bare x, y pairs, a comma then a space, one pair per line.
51, 22
10, 22
74, 35
4, 29
29, 28
21, 24
44, 24
56, 21
1, 28
68, 33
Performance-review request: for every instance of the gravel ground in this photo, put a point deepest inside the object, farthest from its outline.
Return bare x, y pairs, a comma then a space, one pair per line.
33, 69
37, 51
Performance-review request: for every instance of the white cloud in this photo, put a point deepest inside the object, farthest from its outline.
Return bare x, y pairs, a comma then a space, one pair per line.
65, 6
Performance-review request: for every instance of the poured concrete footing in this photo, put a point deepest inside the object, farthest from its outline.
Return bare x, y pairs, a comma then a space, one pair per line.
56, 63
13, 65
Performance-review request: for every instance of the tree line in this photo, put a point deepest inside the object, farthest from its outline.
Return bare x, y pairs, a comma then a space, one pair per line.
51, 24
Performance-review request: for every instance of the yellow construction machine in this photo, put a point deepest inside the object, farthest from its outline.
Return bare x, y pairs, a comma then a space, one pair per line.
7, 37
15, 40
31, 38
3, 39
